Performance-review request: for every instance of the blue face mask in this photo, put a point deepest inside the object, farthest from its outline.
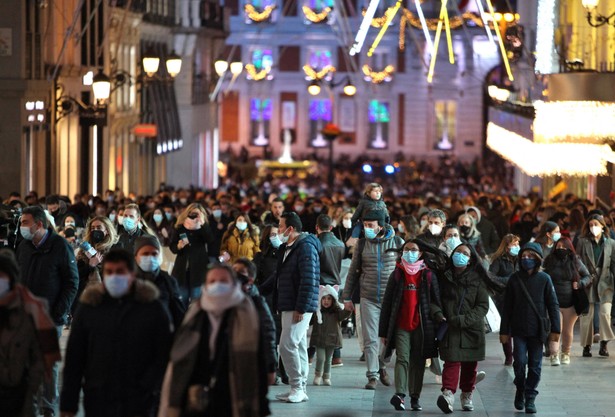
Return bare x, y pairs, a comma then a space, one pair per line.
370, 233
460, 259
219, 289
452, 242
410, 256
529, 263
556, 236
129, 224
514, 250
275, 241
168, 215
149, 263
158, 218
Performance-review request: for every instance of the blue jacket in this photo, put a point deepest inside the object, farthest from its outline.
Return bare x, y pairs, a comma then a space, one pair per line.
298, 277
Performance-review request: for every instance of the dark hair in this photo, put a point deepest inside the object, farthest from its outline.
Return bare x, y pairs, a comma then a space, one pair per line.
37, 213
120, 255
324, 222
225, 267
277, 200
265, 242
547, 227
292, 220
250, 266
52, 199
569, 262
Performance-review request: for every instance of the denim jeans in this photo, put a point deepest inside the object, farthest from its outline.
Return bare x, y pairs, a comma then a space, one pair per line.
527, 353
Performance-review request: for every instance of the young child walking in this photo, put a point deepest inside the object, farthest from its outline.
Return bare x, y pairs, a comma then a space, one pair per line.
327, 332
371, 200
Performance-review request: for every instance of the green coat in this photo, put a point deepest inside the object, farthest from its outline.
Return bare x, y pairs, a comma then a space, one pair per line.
465, 339
329, 332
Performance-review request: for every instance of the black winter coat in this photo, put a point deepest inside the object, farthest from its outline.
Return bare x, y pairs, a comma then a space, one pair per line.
563, 273
126, 240
501, 269
50, 272
193, 257
268, 330
169, 297
430, 310
333, 251
298, 276
117, 351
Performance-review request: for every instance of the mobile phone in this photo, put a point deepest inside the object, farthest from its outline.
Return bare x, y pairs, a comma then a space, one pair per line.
183, 236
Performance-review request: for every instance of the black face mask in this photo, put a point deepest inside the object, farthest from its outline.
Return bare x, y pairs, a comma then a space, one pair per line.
562, 253
465, 230
97, 236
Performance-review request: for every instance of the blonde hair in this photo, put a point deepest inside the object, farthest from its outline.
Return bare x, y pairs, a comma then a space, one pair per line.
108, 241
184, 214
473, 230
371, 186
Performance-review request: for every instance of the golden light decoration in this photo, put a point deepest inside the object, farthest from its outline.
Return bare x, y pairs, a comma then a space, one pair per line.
589, 122
389, 18
255, 75
312, 74
378, 22
314, 17
257, 16
378, 77
542, 159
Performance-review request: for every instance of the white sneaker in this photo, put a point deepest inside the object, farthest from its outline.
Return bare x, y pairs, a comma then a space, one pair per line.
297, 395
446, 401
283, 397
466, 401
317, 380
480, 375
326, 381
565, 359
555, 360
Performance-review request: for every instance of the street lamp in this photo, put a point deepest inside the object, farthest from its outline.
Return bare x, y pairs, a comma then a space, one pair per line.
101, 87
314, 87
599, 19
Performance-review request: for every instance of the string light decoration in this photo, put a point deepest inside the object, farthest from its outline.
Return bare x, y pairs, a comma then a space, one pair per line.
378, 77
432, 24
312, 74
390, 16
588, 122
257, 16
254, 74
540, 159
314, 17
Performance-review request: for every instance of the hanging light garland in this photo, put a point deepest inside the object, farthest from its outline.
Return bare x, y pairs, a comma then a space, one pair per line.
256, 16
432, 24
312, 74
255, 75
314, 17
378, 77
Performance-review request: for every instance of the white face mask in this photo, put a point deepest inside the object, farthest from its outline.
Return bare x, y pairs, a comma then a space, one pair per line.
347, 223
117, 285
423, 223
283, 237
219, 289
400, 228
5, 285
149, 263
435, 229
120, 219
241, 226
596, 230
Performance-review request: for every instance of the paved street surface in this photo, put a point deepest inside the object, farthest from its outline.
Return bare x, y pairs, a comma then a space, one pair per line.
586, 387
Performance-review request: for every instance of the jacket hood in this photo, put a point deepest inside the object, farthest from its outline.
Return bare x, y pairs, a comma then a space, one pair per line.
142, 291
532, 247
327, 290
477, 211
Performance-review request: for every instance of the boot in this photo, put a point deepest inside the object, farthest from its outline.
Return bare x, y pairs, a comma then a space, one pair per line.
317, 378
519, 400
530, 406
414, 404
587, 351
603, 350
326, 379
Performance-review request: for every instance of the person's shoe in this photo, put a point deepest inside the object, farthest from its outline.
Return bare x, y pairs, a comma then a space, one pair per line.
317, 380
397, 401
596, 337
362, 358
282, 397
565, 358
326, 379
384, 377
587, 351
446, 401
554, 360
530, 406
480, 375
414, 404
297, 395
519, 400
603, 350
466, 401
48, 413
371, 384
336, 363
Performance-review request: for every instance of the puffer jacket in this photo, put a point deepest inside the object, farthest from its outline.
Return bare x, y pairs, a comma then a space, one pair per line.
297, 278
429, 310
563, 273
240, 244
465, 339
372, 265
329, 332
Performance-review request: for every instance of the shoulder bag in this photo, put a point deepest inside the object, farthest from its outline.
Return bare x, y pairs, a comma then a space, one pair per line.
443, 327
545, 324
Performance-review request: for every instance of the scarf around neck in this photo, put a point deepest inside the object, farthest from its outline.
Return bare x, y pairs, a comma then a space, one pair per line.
412, 269
217, 305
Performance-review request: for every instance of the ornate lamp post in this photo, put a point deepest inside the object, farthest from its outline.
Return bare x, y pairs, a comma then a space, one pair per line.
330, 133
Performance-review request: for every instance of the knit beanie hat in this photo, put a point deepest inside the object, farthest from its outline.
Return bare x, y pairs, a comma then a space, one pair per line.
378, 215
327, 290
146, 240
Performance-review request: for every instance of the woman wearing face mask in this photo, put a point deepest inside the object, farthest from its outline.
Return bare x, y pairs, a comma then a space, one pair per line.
217, 365
25, 327
76, 232
567, 273
465, 303
410, 310
469, 233
548, 236
408, 227
451, 239
101, 236
241, 240
597, 252
162, 227
503, 264
190, 241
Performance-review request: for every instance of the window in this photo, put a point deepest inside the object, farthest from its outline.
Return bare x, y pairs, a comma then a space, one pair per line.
260, 120
319, 58
446, 124
379, 117
486, 53
320, 114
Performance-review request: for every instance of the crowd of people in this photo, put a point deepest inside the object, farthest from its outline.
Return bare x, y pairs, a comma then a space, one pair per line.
193, 302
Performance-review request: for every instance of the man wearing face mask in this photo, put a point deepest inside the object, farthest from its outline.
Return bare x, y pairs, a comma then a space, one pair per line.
148, 256
118, 345
436, 219
218, 224
49, 271
296, 297
56, 207
131, 228
371, 267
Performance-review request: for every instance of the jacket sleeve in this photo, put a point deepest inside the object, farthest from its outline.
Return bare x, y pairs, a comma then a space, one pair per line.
584, 277
70, 284
309, 277
354, 272
387, 302
358, 214
509, 302
74, 362
477, 312
552, 306
174, 242
224, 243
268, 332
435, 302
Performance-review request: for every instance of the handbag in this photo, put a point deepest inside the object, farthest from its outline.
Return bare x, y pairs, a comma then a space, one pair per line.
545, 323
443, 327
580, 301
